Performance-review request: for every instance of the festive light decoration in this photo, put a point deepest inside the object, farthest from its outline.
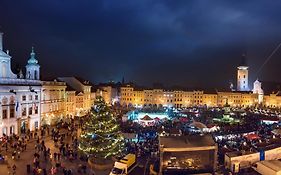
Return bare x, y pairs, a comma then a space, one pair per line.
101, 136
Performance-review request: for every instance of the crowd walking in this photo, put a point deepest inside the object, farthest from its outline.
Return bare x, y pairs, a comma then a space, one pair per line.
51, 151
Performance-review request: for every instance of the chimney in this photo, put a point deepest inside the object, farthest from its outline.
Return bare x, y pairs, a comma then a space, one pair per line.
1, 41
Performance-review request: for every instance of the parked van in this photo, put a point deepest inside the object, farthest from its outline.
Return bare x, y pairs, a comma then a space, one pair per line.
123, 166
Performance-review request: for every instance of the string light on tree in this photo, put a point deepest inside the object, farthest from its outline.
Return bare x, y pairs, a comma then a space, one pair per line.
101, 136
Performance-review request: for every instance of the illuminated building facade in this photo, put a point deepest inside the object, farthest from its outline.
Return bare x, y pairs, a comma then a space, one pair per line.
184, 98
20, 97
272, 100
242, 97
258, 90
83, 94
20, 106
70, 104
109, 93
52, 101
269, 93
242, 80
132, 96
26, 102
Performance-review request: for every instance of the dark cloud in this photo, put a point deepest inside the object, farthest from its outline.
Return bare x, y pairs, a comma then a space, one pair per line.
190, 43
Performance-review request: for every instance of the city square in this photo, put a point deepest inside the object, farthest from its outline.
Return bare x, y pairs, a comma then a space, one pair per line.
140, 88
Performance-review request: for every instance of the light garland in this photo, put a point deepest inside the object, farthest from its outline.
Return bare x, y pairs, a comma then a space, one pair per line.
101, 136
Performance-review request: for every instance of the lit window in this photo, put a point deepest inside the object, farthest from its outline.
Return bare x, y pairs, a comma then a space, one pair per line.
12, 130
30, 111
36, 124
4, 113
12, 111
4, 130
23, 111
36, 110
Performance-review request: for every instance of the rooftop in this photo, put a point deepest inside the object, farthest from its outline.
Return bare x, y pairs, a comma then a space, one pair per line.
239, 153
271, 144
75, 83
190, 141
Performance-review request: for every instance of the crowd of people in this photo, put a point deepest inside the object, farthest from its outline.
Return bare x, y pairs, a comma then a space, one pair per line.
57, 147
48, 158
146, 144
230, 137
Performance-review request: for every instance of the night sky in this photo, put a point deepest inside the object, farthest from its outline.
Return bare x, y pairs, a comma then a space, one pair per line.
173, 42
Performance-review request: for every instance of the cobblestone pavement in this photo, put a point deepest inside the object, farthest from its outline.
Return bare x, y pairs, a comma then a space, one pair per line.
26, 157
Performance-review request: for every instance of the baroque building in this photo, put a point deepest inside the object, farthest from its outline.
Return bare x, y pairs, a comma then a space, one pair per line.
20, 97
27, 103
32, 67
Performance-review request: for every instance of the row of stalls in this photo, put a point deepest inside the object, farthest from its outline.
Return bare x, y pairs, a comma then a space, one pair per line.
149, 121
191, 126
261, 151
152, 119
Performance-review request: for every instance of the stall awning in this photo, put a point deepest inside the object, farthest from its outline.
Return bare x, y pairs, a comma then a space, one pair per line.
251, 136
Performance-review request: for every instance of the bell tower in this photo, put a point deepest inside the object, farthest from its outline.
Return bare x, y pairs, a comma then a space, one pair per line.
32, 67
242, 75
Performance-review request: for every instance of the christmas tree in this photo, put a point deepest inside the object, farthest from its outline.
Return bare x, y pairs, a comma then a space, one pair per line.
101, 136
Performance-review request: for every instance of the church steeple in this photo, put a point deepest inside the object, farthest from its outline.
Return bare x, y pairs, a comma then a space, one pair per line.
243, 60
242, 75
32, 67
32, 59
1, 41
5, 62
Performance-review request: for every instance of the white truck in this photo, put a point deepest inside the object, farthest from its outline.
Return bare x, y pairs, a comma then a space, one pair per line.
123, 166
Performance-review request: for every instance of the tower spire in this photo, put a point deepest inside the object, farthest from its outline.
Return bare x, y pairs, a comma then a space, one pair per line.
32, 67
1, 41
243, 60
32, 59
